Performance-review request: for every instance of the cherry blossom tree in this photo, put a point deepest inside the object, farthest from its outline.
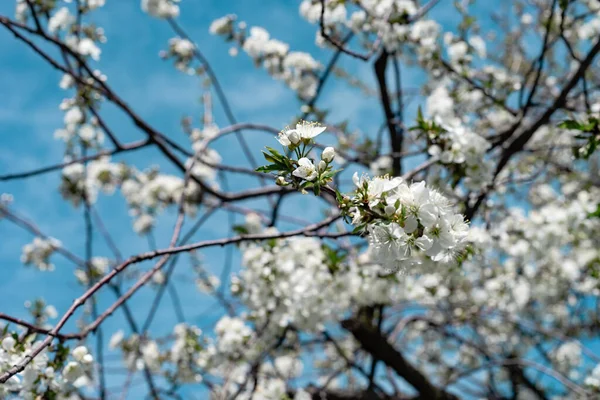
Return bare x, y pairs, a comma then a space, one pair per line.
457, 253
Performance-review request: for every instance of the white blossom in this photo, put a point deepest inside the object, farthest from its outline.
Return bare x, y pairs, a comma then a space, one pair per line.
306, 170
161, 8
87, 47
183, 47
222, 26
39, 251
61, 20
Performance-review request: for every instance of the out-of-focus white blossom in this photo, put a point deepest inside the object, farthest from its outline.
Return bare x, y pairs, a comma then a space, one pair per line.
297, 69
38, 253
60, 20
39, 376
161, 8
223, 25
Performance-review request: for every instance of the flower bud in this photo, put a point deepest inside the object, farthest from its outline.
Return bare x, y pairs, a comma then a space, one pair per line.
390, 210
79, 353
87, 359
322, 165
328, 154
280, 181
8, 343
294, 137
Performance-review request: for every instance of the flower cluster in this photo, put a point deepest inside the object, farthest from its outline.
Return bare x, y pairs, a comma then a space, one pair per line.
301, 172
287, 282
149, 192
41, 312
207, 283
233, 334
223, 25
290, 282
81, 182
567, 356
272, 381
185, 353
138, 353
80, 366
555, 244
43, 377
463, 150
403, 220
161, 8
39, 251
592, 381
458, 49
457, 145
182, 51
387, 20
297, 69
181, 361
81, 131
98, 266
146, 192
303, 133
81, 39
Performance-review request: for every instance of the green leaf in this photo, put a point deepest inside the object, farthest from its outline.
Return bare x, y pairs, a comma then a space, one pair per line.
273, 151
570, 124
338, 196
288, 164
588, 149
268, 168
317, 189
595, 214
270, 158
330, 174
591, 125
358, 229
240, 229
419, 114
333, 258
304, 185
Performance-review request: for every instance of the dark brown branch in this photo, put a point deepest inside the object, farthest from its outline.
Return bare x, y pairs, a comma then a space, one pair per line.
32, 328
519, 143
396, 138
377, 345
341, 46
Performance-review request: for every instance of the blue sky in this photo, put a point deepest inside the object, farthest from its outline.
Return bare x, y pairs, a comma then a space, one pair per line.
29, 114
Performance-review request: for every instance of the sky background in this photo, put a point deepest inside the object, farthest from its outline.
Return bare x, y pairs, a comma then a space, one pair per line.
29, 115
